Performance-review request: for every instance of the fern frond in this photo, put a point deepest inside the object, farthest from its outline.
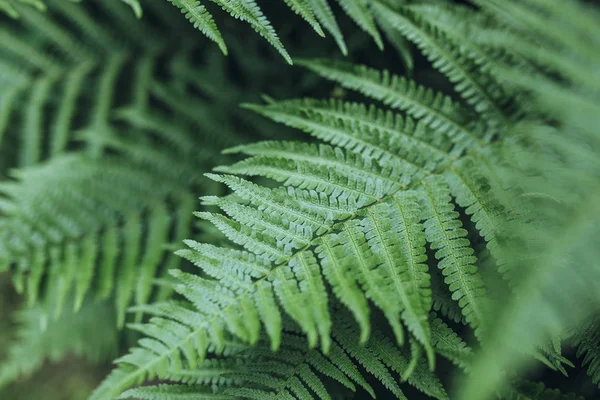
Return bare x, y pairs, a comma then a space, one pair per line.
222, 307
303, 9
408, 279
473, 192
476, 87
367, 130
434, 109
67, 104
341, 174
359, 11
333, 216
249, 11
317, 13
464, 25
447, 237
324, 15
96, 220
448, 344
294, 370
319, 272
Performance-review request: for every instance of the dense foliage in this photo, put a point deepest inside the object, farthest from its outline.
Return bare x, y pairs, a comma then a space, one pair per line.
410, 211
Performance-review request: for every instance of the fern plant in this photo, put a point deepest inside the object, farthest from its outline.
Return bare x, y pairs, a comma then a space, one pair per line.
413, 224
355, 214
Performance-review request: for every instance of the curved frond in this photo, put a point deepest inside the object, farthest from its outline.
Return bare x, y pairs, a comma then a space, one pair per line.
202, 20
293, 370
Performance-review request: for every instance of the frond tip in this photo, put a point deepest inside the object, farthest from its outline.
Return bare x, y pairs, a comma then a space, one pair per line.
202, 20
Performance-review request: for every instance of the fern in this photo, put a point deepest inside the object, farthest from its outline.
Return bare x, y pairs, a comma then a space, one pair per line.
114, 222
318, 261
295, 371
335, 206
479, 90
336, 215
436, 110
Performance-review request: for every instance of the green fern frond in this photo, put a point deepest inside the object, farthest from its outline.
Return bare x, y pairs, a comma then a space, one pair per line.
341, 230
258, 372
202, 20
321, 268
408, 279
479, 90
434, 109
314, 12
339, 173
463, 25
324, 15
359, 11
113, 221
368, 130
442, 299
303, 9
555, 293
448, 344
474, 193
457, 262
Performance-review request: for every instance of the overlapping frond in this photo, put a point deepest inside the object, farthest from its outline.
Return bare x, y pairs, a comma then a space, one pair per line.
297, 372
457, 261
202, 20
477, 87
